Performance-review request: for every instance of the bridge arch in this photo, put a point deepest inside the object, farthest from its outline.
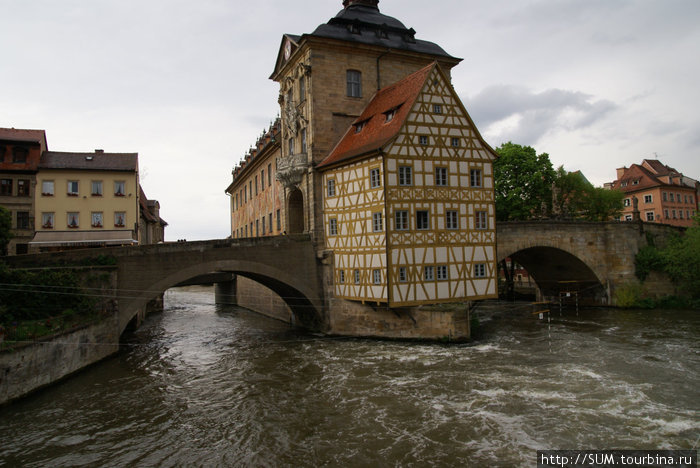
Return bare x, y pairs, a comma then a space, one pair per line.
285, 265
556, 270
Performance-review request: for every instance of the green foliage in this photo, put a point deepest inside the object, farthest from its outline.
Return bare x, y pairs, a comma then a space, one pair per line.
39, 294
575, 197
629, 295
523, 183
648, 258
679, 259
682, 259
5, 226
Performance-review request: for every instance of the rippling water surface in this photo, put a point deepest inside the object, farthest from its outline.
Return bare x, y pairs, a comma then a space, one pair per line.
204, 386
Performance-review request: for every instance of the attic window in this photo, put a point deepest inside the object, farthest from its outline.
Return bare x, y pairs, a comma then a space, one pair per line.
359, 126
623, 184
390, 115
354, 28
636, 182
382, 32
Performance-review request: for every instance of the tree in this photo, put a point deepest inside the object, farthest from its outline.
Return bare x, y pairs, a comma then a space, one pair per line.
682, 259
575, 197
5, 226
523, 181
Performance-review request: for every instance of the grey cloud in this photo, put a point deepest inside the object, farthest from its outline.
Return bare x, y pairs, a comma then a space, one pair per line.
537, 113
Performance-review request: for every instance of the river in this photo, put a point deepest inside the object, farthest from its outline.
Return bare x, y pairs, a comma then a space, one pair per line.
200, 385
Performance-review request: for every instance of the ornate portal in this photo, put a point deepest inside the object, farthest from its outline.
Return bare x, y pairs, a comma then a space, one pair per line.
291, 169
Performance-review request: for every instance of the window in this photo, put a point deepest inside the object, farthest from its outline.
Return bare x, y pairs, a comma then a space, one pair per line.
73, 188
664, 196
359, 126
47, 188
451, 219
119, 190
401, 219
475, 177
250, 191
302, 89
96, 219
73, 220
341, 276
441, 176
429, 273
405, 175
480, 270
389, 116
357, 276
678, 197
628, 217
19, 155
377, 224
256, 185
377, 276
279, 221
303, 140
673, 213
119, 219
650, 216
402, 274
262, 179
442, 272
269, 174
245, 194
626, 202
354, 83
96, 188
374, 179
47, 221
422, 220
263, 225
23, 187
333, 227
647, 199
23, 220
6, 187
331, 187
423, 140
666, 214
291, 146
481, 220
269, 223
454, 141
437, 109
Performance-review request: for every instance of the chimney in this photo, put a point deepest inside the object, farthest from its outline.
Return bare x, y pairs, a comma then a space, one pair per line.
99, 151
621, 172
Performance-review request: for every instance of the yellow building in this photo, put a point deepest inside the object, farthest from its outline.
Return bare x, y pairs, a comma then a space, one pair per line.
86, 200
256, 197
409, 205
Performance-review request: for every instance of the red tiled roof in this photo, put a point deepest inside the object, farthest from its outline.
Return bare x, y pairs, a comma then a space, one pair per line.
657, 167
635, 172
376, 131
18, 134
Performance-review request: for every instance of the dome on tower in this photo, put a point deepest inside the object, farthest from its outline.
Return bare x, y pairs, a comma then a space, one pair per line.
361, 21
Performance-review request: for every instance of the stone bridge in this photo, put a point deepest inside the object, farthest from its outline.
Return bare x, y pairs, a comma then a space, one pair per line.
286, 264
593, 258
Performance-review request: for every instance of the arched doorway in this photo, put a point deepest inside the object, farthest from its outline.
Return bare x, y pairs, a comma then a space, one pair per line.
295, 211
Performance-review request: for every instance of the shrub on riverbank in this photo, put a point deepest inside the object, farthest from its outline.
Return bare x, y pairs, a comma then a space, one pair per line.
633, 295
38, 294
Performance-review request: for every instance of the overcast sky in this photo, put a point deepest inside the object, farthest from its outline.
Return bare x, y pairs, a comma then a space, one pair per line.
597, 84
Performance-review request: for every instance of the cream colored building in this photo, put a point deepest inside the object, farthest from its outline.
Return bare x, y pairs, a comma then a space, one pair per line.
86, 200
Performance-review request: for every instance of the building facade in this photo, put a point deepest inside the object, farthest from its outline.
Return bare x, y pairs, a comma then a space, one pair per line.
376, 158
657, 193
20, 152
86, 200
408, 206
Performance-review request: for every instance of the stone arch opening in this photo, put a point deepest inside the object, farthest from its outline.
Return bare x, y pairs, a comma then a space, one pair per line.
295, 211
303, 302
557, 271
